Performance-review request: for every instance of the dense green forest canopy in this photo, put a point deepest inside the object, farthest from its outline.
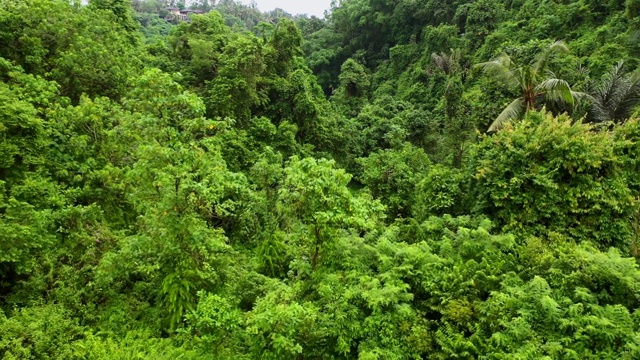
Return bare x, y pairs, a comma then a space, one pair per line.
402, 179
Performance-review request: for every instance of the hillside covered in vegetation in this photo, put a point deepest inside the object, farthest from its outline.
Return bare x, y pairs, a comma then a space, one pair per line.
402, 179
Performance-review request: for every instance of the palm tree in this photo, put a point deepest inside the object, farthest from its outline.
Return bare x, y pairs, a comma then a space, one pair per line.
616, 96
528, 80
447, 63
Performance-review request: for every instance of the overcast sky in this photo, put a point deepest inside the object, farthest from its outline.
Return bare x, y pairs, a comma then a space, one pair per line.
311, 7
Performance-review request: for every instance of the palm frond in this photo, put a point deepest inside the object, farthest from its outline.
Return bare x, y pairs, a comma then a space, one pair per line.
582, 97
615, 97
630, 101
499, 69
512, 111
443, 62
447, 63
543, 58
583, 71
557, 90
559, 46
579, 95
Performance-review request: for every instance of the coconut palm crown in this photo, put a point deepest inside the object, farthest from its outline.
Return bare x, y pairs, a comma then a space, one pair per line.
537, 85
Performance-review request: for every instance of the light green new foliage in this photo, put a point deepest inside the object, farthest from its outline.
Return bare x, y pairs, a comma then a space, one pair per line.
546, 175
317, 209
554, 314
135, 345
217, 323
38, 332
279, 323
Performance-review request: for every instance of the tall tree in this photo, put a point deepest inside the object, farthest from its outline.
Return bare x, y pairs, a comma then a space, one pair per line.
530, 82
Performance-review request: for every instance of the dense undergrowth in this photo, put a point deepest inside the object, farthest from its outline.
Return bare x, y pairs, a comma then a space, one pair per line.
249, 185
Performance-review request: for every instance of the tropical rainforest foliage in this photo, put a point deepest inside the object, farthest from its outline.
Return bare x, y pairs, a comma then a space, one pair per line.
401, 179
